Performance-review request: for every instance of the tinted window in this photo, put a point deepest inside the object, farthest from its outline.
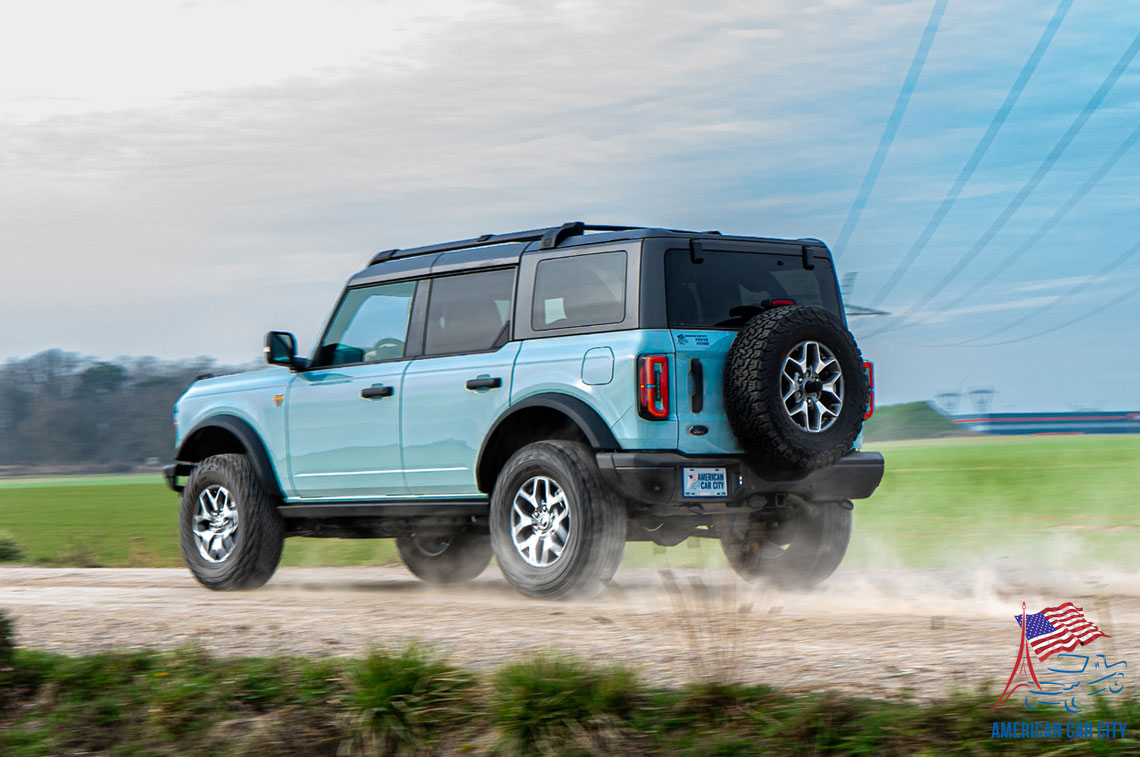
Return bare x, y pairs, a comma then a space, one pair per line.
371, 324
583, 290
727, 289
469, 313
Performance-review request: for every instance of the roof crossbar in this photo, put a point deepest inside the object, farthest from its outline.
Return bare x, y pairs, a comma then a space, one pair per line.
550, 237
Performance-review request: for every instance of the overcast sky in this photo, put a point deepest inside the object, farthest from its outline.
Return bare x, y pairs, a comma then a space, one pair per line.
178, 178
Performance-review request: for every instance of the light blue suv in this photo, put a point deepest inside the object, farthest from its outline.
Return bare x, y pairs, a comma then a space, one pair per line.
543, 397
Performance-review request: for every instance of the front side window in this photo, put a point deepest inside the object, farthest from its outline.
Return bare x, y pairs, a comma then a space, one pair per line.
581, 290
469, 312
370, 325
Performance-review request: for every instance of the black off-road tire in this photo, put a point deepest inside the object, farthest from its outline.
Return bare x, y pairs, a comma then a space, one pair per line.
261, 529
818, 534
455, 560
752, 398
598, 521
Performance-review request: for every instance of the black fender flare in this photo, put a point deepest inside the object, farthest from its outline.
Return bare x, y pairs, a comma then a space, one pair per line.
597, 431
255, 448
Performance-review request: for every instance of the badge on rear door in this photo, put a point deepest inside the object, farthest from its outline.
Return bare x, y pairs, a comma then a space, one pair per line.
705, 482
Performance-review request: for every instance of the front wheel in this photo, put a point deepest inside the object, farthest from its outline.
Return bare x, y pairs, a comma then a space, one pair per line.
445, 558
798, 549
557, 530
231, 531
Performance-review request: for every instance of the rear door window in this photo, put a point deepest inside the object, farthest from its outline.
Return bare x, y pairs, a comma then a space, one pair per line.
469, 312
580, 290
726, 289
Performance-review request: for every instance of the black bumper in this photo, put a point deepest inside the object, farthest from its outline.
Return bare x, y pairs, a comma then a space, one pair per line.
173, 471
654, 478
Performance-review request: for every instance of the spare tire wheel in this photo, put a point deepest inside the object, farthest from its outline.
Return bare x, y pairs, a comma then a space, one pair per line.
794, 387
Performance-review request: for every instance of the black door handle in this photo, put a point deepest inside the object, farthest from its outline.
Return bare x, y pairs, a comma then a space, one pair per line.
374, 392
484, 383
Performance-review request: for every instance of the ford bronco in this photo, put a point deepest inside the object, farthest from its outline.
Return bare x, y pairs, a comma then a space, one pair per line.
544, 397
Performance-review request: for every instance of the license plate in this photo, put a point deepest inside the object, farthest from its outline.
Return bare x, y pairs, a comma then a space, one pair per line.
705, 482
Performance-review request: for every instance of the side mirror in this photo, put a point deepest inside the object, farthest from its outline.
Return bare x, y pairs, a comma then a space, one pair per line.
281, 349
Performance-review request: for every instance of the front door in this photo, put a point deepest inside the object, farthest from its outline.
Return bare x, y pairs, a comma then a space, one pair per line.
462, 383
344, 411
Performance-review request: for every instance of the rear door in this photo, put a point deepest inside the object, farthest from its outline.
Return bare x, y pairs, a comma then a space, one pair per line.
343, 414
709, 297
461, 384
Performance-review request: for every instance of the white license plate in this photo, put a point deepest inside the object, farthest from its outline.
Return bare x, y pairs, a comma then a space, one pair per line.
705, 482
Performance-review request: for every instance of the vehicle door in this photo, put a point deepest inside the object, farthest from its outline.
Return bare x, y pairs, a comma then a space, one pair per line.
343, 413
461, 384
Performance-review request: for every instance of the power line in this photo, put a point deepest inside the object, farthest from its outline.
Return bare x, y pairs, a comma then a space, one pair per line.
980, 149
892, 127
1073, 292
1044, 168
1045, 228
1095, 311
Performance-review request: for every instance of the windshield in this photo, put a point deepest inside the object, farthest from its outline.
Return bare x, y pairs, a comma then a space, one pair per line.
726, 289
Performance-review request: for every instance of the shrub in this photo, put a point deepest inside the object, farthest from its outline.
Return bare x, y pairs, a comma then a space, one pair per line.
9, 550
396, 697
538, 703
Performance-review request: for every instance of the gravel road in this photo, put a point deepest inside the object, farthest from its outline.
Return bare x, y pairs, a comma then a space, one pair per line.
872, 633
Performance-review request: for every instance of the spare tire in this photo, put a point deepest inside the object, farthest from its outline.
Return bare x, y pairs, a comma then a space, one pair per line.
794, 388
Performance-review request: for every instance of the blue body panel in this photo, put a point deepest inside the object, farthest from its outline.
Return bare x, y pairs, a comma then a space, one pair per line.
445, 423
557, 365
342, 445
710, 347
247, 396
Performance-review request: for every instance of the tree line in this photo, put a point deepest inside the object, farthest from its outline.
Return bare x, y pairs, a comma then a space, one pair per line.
62, 408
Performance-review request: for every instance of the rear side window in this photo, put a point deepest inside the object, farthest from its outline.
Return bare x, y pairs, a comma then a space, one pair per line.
370, 325
582, 290
726, 289
469, 312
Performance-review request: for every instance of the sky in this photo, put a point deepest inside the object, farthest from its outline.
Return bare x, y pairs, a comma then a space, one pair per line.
177, 178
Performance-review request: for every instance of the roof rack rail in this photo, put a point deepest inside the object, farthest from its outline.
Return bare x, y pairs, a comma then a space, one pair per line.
550, 238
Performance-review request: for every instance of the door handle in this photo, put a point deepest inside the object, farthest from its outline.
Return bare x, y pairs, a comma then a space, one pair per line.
484, 383
375, 392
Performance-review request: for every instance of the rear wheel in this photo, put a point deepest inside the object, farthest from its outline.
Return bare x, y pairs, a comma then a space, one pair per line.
799, 549
231, 531
445, 558
557, 529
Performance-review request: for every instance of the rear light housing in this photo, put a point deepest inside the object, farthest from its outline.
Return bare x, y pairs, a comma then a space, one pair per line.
653, 387
869, 370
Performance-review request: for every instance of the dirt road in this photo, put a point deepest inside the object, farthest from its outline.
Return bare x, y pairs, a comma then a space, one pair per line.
870, 633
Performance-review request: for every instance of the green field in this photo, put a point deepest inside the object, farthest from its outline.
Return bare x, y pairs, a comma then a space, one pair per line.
1066, 502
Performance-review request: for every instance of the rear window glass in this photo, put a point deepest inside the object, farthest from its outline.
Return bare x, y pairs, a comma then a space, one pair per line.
726, 289
582, 290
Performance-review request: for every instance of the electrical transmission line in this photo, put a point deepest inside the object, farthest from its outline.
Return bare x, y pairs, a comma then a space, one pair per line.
1069, 294
892, 127
1045, 228
1095, 311
1043, 169
980, 149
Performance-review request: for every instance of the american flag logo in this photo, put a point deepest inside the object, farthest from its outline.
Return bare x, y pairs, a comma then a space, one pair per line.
1054, 629
1059, 629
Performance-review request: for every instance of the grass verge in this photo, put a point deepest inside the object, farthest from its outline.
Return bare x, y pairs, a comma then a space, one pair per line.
1012, 499
411, 702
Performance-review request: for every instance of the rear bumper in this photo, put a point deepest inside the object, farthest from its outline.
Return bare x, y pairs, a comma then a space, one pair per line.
172, 472
654, 478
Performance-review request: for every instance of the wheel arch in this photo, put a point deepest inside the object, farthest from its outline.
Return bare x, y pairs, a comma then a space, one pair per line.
220, 434
539, 417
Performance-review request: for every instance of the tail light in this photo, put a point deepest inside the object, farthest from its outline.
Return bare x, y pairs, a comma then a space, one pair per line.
653, 387
869, 370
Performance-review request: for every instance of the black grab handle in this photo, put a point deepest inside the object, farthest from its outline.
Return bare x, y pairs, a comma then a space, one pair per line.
484, 383
373, 392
